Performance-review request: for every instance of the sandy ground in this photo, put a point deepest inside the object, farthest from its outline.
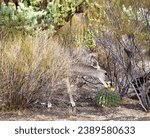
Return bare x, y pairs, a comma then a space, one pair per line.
86, 109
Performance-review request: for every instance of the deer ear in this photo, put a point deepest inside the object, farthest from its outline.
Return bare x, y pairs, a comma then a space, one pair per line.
93, 61
92, 58
129, 53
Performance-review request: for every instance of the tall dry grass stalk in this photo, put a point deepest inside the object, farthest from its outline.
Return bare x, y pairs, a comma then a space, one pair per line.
30, 66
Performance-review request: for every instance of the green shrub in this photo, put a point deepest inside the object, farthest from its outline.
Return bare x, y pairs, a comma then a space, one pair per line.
24, 18
30, 18
108, 98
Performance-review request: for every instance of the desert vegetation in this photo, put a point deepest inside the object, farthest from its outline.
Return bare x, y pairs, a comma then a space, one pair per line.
41, 39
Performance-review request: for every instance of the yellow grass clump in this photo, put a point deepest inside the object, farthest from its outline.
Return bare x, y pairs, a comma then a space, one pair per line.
30, 66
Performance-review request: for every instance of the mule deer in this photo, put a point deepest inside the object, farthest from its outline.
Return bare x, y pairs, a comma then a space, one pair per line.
83, 64
93, 70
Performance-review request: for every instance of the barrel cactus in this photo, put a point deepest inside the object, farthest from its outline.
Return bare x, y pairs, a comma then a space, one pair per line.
107, 97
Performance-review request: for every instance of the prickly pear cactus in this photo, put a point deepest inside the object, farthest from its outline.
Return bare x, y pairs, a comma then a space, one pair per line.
108, 98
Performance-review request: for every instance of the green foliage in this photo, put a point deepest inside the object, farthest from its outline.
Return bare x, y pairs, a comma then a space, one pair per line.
31, 17
121, 16
35, 2
58, 12
89, 39
108, 98
24, 18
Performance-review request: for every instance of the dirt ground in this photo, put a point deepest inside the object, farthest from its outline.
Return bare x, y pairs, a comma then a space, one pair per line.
86, 110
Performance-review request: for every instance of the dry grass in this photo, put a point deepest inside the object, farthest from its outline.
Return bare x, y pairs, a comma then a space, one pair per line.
30, 66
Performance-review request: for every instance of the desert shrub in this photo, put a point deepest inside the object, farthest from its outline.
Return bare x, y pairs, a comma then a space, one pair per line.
29, 67
121, 32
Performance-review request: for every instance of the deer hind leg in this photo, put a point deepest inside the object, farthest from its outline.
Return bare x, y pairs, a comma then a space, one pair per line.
70, 92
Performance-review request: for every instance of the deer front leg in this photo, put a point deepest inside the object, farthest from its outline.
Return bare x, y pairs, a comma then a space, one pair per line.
70, 92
